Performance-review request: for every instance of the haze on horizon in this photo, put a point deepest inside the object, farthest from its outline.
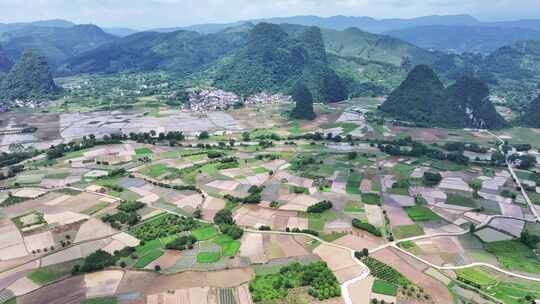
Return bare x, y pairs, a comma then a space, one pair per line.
147, 14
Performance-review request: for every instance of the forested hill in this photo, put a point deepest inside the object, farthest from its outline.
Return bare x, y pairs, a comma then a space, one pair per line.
274, 60
180, 52
5, 63
422, 99
58, 44
29, 78
531, 116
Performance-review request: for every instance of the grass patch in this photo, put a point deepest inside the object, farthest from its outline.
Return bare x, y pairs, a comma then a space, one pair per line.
316, 221
107, 300
353, 183
155, 170
406, 231
228, 246
52, 273
371, 199
148, 258
205, 233
261, 170
354, 207
421, 214
147, 247
143, 151
461, 200
443, 165
402, 170
208, 257
476, 276
384, 288
96, 208
514, 255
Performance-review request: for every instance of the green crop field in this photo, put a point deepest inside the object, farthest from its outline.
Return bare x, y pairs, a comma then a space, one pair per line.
371, 198
419, 214
384, 288
229, 247
148, 258
208, 257
143, 151
406, 231
460, 200
353, 183
476, 276
147, 247
384, 272
51, 273
514, 255
205, 233
155, 170
108, 300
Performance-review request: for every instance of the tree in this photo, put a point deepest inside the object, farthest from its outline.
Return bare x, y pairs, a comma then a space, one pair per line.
304, 102
223, 216
204, 135
365, 252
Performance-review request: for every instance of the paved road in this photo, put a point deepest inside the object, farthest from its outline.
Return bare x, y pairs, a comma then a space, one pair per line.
514, 175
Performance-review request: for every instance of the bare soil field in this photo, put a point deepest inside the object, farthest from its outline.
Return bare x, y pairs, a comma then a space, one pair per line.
359, 240
339, 261
153, 283
253, 247
69, 291
361, 291
168, 259
102, 283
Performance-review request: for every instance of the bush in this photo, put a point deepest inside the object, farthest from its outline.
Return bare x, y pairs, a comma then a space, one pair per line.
366, 227
320, 207
431, 179
97, 261
233, 231
180, 243
224, 216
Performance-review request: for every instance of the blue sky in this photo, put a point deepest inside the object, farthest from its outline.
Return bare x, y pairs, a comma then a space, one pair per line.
144, 14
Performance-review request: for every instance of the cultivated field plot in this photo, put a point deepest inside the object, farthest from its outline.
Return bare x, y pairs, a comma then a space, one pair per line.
339, 261
414, 271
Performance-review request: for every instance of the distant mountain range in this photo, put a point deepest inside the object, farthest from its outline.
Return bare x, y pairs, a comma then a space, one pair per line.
461, 38
58, 44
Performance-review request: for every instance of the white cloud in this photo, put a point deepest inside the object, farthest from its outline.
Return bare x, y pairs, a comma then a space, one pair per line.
159, 13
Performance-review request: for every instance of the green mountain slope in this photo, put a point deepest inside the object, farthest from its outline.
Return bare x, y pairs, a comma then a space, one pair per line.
180, 52
514, 71
5, 62
273, 60
29, 78
56, 43
422, 99
531, 116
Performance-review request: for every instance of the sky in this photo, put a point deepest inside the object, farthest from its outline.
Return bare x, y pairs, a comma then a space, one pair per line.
146, 14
